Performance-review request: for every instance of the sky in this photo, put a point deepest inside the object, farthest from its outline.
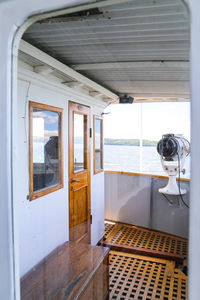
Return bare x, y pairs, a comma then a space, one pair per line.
124, 120
45, 124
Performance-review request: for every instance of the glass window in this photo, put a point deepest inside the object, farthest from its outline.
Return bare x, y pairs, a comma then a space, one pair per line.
45, 149
78, 142
98, 144
132, 132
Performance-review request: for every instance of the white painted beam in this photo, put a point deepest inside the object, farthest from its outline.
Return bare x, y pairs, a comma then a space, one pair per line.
43, 70
55, 64
158, 95
75, 84
96, 94
158, 65
160, 99
54, 86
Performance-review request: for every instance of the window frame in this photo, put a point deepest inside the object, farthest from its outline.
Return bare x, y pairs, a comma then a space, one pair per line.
97, 117
48, 190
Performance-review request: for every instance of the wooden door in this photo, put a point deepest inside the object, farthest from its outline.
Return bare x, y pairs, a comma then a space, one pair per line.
79, 173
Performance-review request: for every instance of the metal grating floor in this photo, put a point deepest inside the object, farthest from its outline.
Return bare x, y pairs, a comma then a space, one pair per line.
145, 278
134, 236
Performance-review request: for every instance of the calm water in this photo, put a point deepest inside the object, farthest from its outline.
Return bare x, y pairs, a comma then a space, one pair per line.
122, 158
127, 159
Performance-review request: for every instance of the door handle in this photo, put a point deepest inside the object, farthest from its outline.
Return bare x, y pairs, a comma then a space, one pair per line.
72, 180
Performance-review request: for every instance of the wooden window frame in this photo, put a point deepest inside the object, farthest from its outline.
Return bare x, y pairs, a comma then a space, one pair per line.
96, 117
48, 190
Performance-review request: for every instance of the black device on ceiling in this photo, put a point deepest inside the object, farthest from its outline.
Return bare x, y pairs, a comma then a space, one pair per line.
126, 99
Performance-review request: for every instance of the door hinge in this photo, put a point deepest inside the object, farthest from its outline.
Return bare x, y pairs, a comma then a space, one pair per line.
90, 132
90, 219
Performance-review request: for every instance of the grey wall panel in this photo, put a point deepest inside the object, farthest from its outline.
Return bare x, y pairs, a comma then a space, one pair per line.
172, 218
127, 199
136, 200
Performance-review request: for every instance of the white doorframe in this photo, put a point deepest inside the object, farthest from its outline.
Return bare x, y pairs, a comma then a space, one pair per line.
12, 17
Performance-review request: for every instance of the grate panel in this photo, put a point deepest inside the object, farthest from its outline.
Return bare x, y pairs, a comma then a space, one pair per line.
108, 227
148, 239
139, 277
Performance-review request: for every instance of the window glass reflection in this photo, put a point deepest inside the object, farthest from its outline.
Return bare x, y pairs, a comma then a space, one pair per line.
78, 142
98, 145
46, 152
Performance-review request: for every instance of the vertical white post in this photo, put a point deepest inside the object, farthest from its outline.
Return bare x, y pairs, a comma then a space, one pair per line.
194, 240
141, 138
7, 263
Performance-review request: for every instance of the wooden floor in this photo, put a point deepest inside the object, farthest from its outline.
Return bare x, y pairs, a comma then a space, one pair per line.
139, 277
109, 226
140, 240
144, 277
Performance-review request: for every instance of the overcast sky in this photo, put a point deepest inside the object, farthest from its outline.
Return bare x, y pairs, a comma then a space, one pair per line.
124, 120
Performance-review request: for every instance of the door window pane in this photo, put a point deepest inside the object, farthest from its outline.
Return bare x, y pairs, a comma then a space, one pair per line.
78, 142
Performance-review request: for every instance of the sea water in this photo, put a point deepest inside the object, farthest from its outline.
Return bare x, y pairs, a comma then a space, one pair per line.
123, 158
134, 159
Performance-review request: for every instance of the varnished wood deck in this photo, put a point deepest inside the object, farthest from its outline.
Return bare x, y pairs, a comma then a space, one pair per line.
71, 271
136, 269
109, 226
138, 240
145, 278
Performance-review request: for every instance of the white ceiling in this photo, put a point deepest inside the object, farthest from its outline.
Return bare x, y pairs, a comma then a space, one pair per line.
138, 47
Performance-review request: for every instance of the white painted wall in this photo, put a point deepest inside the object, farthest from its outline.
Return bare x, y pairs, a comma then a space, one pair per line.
44, 222
13, 14
97, 205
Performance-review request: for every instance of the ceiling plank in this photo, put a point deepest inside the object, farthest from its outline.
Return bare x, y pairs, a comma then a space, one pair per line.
158, 65
153, 88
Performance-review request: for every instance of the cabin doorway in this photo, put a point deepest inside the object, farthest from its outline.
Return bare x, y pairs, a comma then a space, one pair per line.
79, 173
138, 59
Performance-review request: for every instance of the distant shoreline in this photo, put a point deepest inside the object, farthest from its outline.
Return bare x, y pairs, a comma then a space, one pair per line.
129, 142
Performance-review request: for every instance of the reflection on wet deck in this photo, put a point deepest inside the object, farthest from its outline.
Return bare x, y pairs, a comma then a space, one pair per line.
71, 271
